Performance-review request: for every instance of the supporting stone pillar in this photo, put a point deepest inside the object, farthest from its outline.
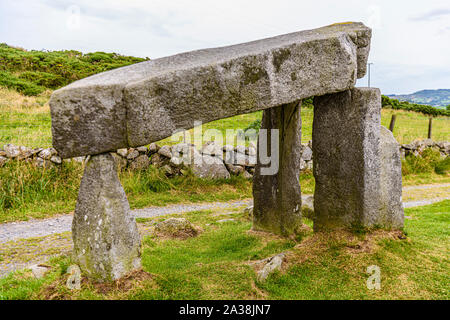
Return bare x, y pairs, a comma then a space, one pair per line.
348, 162
277, 196
105, 235
392, 214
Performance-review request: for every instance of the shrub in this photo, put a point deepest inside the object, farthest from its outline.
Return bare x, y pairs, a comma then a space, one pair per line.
44, 79
387, 102
31, 72
21, 85
429, 161
443, 167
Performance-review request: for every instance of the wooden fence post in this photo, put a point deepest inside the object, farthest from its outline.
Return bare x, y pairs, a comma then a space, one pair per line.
430, 127
392, 124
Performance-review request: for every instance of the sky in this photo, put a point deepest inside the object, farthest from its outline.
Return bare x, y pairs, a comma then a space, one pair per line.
410, 44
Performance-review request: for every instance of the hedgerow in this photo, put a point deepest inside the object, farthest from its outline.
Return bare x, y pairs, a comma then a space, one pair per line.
387, 102
32, 72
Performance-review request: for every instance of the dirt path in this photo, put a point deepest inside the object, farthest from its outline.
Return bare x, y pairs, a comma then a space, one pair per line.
44, 227
426, 186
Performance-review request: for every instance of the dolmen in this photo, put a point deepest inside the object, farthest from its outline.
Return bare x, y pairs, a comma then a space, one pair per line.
356, 161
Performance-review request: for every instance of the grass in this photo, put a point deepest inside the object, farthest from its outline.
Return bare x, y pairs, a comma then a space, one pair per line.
410, 126
26, 121
28, 192
221, 263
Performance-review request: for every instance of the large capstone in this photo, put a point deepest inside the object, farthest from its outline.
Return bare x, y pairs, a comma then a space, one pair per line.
277, 194
146, 102
356, 164
105, 235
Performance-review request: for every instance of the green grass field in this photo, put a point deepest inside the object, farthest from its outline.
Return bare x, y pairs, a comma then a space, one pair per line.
26, 121
221, 263
27, 192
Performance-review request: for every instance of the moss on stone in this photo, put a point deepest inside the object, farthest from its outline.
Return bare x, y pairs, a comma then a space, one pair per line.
279, 57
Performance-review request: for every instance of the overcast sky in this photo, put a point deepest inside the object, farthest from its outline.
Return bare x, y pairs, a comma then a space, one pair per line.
410, 44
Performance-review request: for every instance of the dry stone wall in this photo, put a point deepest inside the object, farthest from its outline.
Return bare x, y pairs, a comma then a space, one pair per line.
141, 158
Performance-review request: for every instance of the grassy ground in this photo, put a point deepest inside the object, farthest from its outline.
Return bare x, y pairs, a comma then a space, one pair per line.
26, 192
221, 263
26, 121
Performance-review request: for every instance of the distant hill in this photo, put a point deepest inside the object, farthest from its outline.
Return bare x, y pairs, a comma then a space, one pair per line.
436, 98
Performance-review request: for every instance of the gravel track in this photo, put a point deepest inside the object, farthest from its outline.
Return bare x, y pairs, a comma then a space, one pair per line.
44, 227
426, 186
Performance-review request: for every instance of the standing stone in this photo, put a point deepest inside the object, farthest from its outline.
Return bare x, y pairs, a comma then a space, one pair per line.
347, 160
392, 213
277, 198
105, 235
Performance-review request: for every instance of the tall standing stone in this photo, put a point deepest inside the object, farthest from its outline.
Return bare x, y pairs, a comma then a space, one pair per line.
277, 197
105, 235
392, 213
346, 142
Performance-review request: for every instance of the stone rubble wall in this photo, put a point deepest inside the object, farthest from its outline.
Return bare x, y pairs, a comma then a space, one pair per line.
417, 147
242, 160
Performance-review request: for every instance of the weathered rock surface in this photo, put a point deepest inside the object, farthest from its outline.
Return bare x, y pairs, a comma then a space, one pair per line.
119, 108
209, 167
46, 154
392, 213
132, 154
142, 162
123, 152
346, 137
348, 155
273, 264
11, 151
235, 170
277, 197
39, 270
74, 279
212, 148
105, 236
121, 161
307, 153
